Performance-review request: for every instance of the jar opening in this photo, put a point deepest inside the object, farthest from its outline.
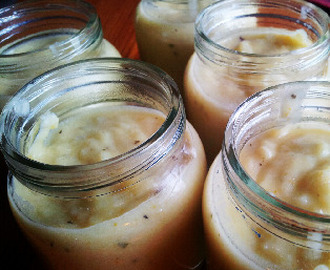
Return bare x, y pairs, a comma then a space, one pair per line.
80, 85
40, 31
222, 21
308, 104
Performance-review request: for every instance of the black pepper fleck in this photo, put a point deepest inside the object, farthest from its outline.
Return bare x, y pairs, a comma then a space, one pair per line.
293, 96
175, 158
146, 217
122, 244
157, 191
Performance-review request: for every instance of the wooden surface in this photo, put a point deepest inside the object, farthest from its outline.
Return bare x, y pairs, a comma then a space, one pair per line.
117, 18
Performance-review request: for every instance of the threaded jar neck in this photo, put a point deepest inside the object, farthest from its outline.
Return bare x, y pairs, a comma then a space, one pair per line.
73, 26
257, 114
223, 19
78, 85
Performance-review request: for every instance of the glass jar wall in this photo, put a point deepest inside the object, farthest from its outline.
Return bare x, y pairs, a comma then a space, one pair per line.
165, 33
104, 170
243, 47
39, 35
266, 198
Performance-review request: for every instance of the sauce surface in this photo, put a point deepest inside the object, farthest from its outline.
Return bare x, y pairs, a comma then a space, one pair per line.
44, 52
213, 91
293, 164
271, 42
86, 138
132, 225
165, 39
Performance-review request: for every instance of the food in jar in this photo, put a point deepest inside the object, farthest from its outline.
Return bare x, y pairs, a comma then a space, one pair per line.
292, 163
127, 229
213, 91
52, 50
165, 39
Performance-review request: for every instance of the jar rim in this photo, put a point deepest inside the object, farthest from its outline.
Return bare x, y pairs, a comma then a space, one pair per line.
32, 11
249, 190
168, 134
215, 48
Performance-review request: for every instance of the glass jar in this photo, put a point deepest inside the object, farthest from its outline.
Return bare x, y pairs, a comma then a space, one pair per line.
39, 35
248, 224
139, 209
165, 33
227, 67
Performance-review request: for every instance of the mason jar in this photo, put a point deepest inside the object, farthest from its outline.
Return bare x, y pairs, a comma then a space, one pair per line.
242, 47
104, 170
165, 33
39, 35
266, 199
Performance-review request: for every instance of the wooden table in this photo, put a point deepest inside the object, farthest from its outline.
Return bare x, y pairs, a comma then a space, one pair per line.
117, 18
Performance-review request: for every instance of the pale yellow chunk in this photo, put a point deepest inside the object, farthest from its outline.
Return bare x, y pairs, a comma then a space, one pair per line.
293, 164
101, 134
273, 42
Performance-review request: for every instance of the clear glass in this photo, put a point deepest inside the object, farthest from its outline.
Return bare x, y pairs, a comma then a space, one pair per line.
165, 33
39, 35
138, 210
246, 226
219, 76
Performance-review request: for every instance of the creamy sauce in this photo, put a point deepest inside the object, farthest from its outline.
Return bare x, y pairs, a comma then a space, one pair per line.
103, 134
50, 50
53, 43
291, 163
115, 230
166, 41
273, 42
212, 92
